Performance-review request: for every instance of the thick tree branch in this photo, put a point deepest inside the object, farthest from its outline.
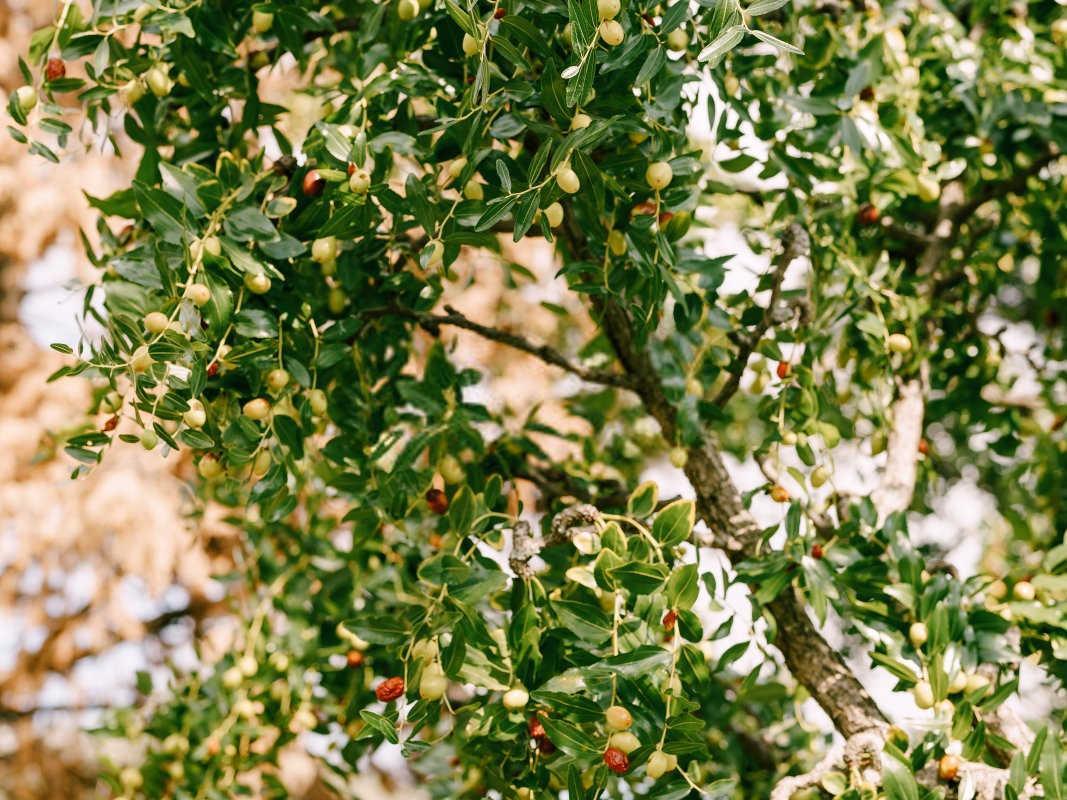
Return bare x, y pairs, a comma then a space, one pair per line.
795, 243
898, 479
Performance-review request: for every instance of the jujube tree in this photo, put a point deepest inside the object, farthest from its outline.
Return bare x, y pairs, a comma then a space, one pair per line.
267, 303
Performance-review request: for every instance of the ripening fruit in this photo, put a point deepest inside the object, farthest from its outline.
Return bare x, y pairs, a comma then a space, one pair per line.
407, 9
198, 294
899, 343
196, 416
317, 400
516, 698
617, 242
55, 69
945, 709
277, 379
262, 21
660, 763
336, 300
156, 322
779, 494
929, 187
819, 476
433, 683
131, 778
437, 501
1023, 591
580, 121
554, 215
391, 688
976, 683
471, 46
324, 250
948, 768
359, 182
257, 283
618, 718
149, 439
789, 438
209, 467
567, 179
456, 167
617, 761
140, 361
659, 175
608, 9
817, 551
677, 40
918, 634
158, 81
258, 409
958, 682
611, 32
679, 457
868, 214
313, 183
26, 98
782, 370
451, 470
923, 694
248, 666
473, 190
424, 650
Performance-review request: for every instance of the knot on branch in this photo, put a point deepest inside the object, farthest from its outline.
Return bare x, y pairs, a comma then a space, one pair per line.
795, 242
571, 520
525, 545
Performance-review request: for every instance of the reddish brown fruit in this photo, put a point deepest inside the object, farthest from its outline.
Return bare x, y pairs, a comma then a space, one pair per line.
924, 446
351, 169
435, 541
354, 659
617, 761
816, 551
642, 209
669, 619
783, 369
213, 369
867, 94
666, 217
111, 424
544, 744
314, 183
499, 13
437, 501
537, 730
55, 69
390, 689
869, 214
779, 494
948, 768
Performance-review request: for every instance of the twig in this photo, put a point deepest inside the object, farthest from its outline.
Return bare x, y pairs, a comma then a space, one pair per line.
795, 243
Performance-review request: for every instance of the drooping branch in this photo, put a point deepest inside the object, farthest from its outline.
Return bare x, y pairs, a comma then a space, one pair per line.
433, 322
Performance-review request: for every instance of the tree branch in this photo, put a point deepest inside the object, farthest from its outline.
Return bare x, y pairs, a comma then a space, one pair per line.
795, 243
433, 322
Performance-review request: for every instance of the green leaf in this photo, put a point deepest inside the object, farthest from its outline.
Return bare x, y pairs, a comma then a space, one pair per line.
898, 780
642, 501
683, 587
674, 522
723, 43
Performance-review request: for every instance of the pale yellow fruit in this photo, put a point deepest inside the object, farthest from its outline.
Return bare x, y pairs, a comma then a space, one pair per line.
567, 179
516, 698
473, 190
608, 9
258, 409
198, 294
323, 250
432, 685
899, 343
277, 379
617, 242
424, 650
451, 470
248, 665
677, 40
131, 778
262, 21
317, 401
196, 416
923, 694
1023, 591
660, 763
819, 476
26, 98
659, 175
435, 259
158, 81
679, 457
232, 678
617, 718
149, 439
131, 91
554, 215
611, 33
918, 634
359, 182
929, 187
257, 283
336, 300
407, 9
209, 467
976, 682
140, 361
156, 322
471, 46
625, 741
